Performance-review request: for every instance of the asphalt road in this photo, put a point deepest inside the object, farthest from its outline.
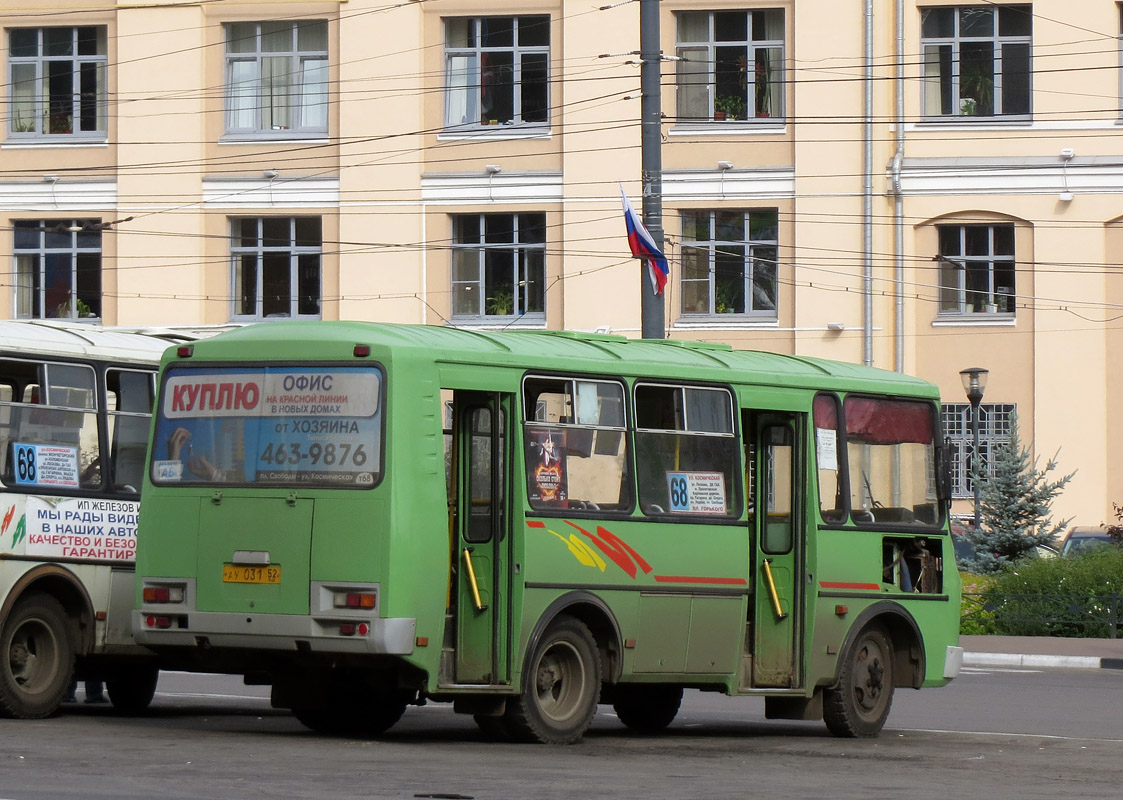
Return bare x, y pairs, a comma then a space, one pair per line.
992, 734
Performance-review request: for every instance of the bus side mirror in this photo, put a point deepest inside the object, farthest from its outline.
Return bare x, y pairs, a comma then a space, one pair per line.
943, 472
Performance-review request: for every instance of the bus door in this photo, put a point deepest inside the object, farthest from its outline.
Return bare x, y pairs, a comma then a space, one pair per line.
481, 556
778, 532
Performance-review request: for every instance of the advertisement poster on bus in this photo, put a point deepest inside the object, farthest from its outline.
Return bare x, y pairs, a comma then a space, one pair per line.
80, 527
281, 425
546, 467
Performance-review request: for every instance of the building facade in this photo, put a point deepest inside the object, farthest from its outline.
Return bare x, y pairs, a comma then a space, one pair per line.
917, 186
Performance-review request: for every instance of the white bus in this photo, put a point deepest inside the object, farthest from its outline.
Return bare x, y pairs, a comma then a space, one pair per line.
75, 405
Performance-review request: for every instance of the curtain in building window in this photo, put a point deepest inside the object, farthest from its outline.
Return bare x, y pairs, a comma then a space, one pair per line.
314, 93
243, 95
461, 93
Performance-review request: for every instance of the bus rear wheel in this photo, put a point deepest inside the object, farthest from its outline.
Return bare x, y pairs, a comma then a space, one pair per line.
647, 708
37, 658
561, 686
132, 688
859, 704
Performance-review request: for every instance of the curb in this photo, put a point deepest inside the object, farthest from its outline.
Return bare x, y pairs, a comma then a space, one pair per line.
1023, 660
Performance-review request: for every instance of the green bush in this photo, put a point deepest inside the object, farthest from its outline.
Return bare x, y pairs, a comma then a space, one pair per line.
974, 617
1072, 596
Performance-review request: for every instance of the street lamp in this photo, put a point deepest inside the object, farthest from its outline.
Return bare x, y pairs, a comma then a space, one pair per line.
974, 384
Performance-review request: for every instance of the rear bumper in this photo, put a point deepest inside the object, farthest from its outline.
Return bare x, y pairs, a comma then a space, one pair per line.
292, 633
953, 660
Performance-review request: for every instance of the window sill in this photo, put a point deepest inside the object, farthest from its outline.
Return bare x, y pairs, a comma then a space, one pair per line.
973, 123
733, 127
273, 136
495, 132
44, 142
727, 321
992, 320
498, 323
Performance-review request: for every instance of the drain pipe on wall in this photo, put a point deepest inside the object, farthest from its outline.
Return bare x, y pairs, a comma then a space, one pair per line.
898, 200
867, 195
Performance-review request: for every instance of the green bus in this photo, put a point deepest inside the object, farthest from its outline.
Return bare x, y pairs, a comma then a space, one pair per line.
527, 524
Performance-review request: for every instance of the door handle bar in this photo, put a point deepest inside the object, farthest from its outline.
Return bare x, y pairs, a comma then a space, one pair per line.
472, 580
772, 593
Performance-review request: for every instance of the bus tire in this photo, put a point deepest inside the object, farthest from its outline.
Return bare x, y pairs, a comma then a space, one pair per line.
859, 704
362, 719
132, 688
561, 686
648, 708
36, 658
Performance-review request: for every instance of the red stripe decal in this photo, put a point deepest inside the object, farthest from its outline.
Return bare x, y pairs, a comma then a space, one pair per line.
691, 579
531, 523
848, 585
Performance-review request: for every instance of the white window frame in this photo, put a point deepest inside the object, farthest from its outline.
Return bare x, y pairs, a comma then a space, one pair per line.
956, 299
32, 268
963, 100
297, 256
469, 271
758, 252
31, 112
700, 63
464, 78
257, 105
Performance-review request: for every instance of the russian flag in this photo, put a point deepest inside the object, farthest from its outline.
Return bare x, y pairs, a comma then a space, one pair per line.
643, 246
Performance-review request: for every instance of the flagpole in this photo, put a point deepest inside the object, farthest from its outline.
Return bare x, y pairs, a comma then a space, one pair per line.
652, 312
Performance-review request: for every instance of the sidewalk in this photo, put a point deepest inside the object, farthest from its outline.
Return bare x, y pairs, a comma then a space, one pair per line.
1041, 651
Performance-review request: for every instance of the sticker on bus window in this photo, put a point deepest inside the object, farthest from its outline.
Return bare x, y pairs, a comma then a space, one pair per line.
46, 465
826, 448
697, 492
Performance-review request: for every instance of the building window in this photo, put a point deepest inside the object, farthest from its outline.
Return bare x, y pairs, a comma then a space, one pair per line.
976, 265
976, 60
277, 77
497, 70
57, 78
276, 266
718, 51
729, 262
499, 265
995, 423
58, 268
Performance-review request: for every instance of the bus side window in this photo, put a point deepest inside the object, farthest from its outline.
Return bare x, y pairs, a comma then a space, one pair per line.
129, 403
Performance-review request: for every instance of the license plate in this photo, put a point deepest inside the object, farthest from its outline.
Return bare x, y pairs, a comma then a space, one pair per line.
236, 573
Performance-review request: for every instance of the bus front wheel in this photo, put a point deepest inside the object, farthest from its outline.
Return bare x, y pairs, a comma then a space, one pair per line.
859, 704
38, 658
358, 715
561, 686
647, 708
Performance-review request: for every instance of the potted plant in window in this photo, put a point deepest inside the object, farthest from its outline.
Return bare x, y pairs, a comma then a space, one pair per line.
725, 298
976, 89
729, 107
500, 304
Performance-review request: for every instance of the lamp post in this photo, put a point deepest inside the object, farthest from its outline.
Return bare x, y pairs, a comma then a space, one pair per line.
974, 384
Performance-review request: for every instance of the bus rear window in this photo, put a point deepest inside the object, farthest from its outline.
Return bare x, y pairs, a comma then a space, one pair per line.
277, 426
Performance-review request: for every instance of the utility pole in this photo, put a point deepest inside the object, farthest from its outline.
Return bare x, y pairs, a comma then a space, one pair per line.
651, 139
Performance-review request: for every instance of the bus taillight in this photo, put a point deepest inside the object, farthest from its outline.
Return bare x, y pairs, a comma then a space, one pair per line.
158, 622
163, 594
185, 350
354, 600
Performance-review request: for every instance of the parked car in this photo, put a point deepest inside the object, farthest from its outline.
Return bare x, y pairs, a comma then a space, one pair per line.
1081, 539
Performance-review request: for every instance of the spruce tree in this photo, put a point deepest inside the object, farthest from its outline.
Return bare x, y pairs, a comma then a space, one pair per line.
1015, 501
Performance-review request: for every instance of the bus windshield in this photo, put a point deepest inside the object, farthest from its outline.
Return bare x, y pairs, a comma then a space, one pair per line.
305, 425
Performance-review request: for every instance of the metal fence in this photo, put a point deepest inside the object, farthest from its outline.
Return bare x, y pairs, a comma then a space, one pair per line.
1081, 616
